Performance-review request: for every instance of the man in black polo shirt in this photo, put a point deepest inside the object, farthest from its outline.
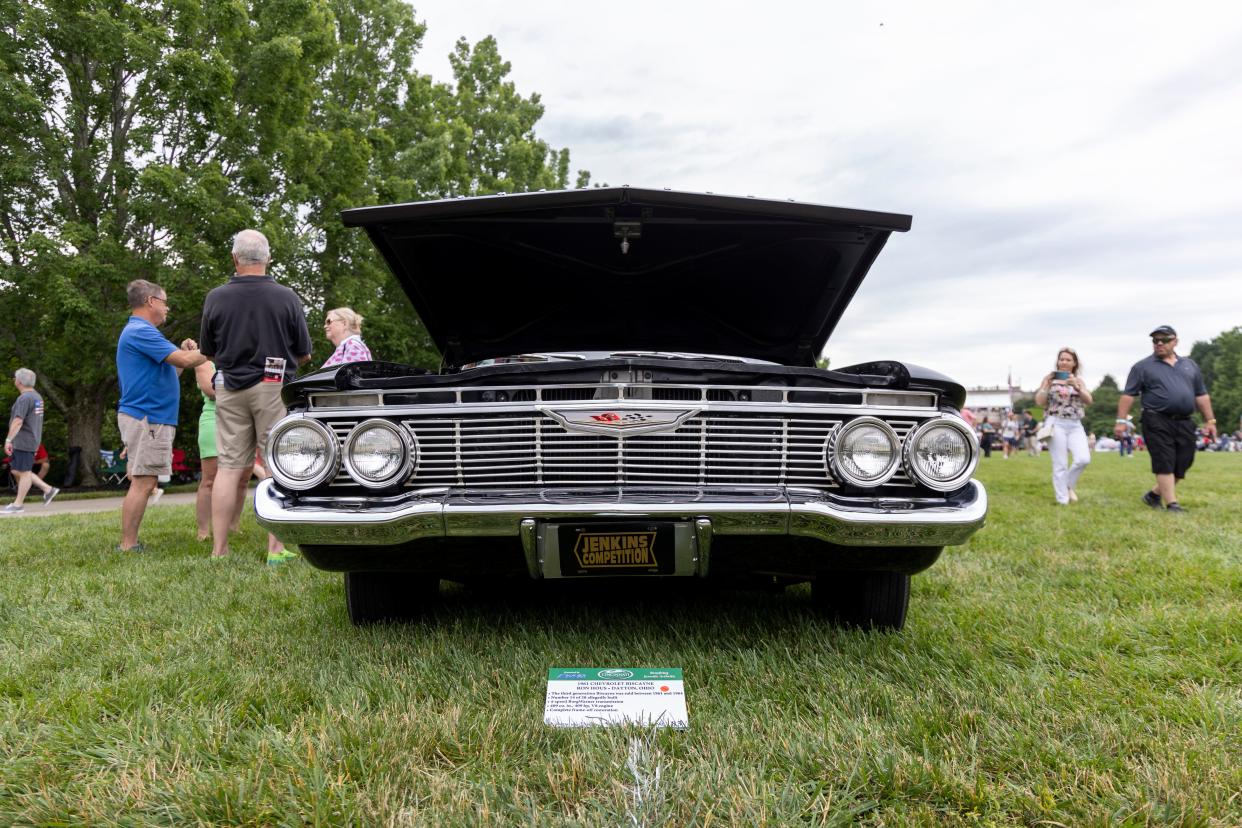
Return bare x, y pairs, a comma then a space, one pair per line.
256, 332
1171, 388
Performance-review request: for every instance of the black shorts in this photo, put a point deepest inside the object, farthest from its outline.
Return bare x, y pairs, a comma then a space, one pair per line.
1170, 442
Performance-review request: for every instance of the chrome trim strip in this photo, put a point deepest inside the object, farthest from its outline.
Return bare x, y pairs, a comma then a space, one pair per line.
712, 407
770, 511
620, 392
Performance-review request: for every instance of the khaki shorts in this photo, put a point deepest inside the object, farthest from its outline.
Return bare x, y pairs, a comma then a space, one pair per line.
243, 420
148, 446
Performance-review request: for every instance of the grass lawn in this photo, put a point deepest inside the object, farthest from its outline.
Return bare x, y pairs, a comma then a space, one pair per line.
1071, 666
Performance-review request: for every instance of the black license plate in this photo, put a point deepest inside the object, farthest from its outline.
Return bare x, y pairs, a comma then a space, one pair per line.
617, 549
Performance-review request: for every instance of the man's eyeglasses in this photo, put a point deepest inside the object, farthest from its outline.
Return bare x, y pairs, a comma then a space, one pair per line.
1161, 340
160, 299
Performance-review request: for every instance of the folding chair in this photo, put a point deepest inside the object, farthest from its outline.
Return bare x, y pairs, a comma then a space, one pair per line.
182, 471
111, 468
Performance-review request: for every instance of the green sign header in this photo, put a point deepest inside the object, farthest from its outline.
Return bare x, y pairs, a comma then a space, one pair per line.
614, 674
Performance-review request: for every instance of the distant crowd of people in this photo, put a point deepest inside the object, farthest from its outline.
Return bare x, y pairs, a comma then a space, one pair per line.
1172, 391
252, 338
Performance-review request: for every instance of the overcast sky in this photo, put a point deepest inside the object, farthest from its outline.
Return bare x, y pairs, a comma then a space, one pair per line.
1074, 169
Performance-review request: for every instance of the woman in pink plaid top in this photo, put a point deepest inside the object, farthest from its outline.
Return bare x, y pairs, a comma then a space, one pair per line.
343, 327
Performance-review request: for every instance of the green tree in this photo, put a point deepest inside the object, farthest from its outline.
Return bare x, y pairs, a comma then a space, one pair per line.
382, 132
136, 136
1101, 415
493, 145
1220, 360
347, 155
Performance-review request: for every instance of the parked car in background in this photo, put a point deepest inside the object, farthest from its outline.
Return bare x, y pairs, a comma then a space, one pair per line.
629, 390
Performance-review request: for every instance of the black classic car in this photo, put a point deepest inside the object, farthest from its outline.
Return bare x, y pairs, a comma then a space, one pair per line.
629, 390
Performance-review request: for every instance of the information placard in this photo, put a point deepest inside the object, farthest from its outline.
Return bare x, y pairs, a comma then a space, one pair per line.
587, 696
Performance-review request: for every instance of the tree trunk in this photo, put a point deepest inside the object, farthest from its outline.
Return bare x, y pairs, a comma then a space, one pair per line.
85, 421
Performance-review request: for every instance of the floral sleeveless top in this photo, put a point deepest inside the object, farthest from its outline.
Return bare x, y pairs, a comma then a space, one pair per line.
1064, 401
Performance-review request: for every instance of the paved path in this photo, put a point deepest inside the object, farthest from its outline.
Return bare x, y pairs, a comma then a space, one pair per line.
35, 508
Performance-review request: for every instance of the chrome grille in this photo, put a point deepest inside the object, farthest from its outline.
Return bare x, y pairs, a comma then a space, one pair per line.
533, 450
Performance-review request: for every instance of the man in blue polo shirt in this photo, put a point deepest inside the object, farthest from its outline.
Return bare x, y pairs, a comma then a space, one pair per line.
1172, 388
149, 367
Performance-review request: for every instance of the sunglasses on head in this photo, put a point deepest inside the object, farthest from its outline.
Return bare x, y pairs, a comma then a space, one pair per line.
1162, 340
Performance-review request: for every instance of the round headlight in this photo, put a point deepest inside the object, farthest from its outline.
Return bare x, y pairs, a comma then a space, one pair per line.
864, 452
378, 453
301, 453
941, 454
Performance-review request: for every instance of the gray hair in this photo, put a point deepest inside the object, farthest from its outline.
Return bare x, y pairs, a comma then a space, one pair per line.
140, 290
250, 247
350, 317
25, 377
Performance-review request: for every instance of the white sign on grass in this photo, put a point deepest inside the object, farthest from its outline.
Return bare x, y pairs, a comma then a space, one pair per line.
585, 696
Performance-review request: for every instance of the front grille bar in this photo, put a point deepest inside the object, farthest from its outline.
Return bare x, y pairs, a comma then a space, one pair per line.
536, 450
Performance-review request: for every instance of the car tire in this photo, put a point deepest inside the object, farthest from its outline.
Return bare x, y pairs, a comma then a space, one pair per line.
867, 600
374, 597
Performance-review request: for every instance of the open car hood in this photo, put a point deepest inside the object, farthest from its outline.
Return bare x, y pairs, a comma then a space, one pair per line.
623, 268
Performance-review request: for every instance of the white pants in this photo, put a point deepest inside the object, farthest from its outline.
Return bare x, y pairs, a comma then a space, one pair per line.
1067, 437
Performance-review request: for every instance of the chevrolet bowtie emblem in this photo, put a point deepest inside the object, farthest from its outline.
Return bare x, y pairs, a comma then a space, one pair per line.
621, 420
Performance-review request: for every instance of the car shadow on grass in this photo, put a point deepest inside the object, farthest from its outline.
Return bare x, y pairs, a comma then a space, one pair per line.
705, 615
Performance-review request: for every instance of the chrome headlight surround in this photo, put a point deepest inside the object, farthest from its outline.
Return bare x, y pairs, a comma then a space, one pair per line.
403, 469
911, 446
836, 440
273, 453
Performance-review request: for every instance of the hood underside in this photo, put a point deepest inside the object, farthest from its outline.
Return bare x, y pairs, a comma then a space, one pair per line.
623, 268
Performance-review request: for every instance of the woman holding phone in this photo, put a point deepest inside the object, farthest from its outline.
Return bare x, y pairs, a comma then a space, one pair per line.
1065, 398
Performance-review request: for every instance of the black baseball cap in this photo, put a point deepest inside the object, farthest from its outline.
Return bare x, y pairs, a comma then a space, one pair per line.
1164, 330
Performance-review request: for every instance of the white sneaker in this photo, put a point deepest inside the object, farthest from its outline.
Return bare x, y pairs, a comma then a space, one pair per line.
13, 509
155, 496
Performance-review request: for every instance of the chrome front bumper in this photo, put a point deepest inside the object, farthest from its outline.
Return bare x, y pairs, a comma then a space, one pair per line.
448, 513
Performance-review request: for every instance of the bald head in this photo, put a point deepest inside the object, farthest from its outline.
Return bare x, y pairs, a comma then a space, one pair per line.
250, 248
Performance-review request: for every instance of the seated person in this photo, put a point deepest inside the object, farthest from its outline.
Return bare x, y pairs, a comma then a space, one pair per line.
42, 462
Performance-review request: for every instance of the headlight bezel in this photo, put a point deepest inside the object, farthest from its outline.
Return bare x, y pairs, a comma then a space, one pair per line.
273, 455
912, 441
835, 465
404, 469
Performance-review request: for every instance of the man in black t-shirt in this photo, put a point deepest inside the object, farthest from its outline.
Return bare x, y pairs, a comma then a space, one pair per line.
255, 331
1172, 388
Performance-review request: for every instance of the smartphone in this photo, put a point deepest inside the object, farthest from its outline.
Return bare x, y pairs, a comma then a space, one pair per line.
1061, 375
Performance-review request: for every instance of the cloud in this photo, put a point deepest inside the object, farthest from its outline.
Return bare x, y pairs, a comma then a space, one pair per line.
1072, 169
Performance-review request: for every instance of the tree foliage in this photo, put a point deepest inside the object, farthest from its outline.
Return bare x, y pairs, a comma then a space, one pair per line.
1101, 415
1220, 360
137, 137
